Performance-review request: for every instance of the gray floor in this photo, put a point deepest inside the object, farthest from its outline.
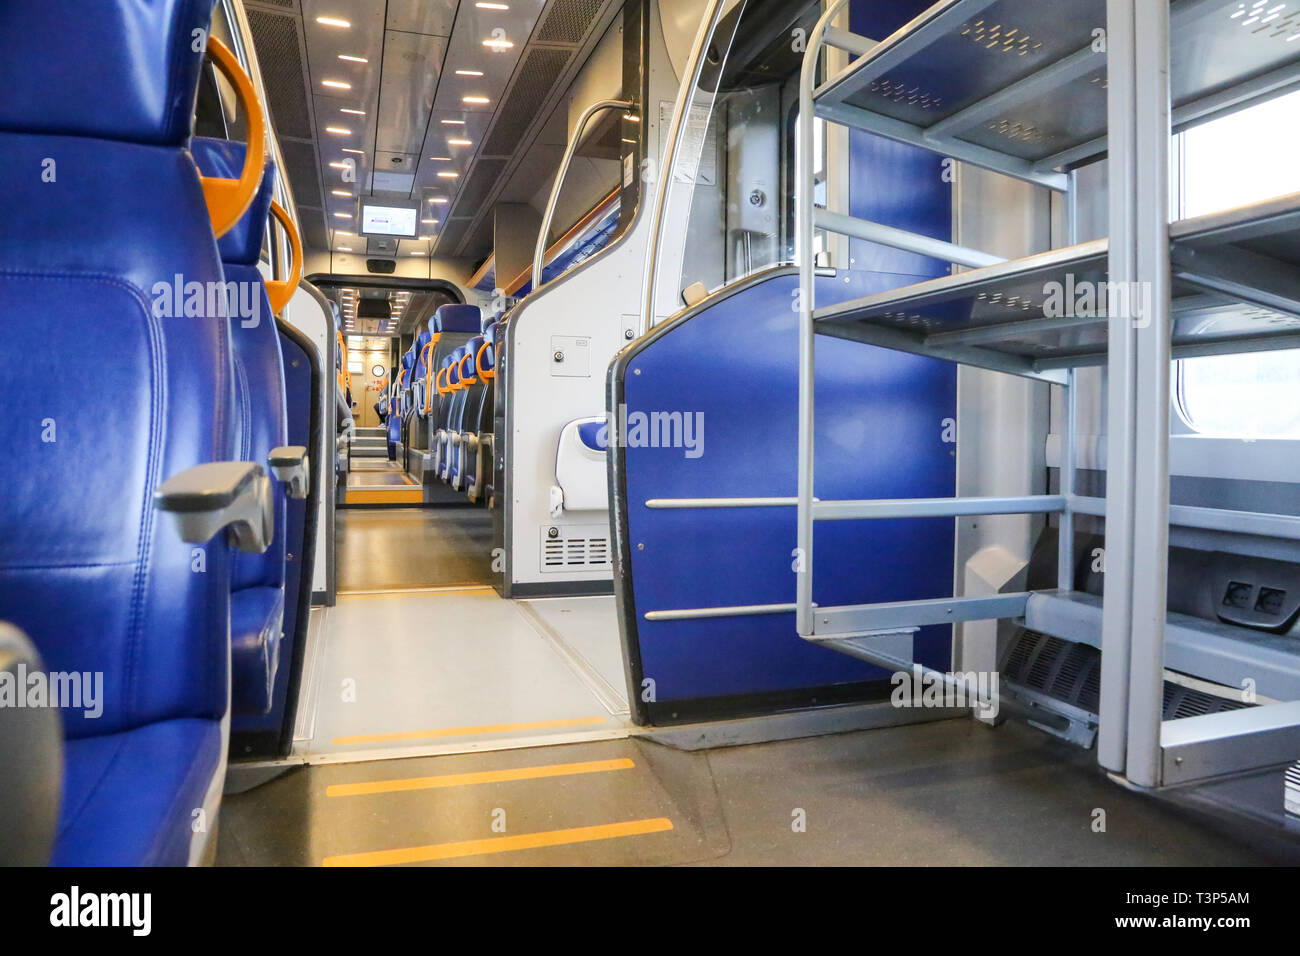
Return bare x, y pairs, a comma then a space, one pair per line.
586, 630
948, 793
395, 548
444, 670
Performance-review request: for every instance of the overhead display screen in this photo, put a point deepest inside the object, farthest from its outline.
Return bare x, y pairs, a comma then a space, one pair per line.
388, 221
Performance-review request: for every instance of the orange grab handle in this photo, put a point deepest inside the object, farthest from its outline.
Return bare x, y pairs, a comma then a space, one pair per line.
229, 199
484, 373
280, 291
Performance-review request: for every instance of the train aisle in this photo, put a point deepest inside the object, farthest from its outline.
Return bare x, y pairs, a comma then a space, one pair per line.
420, 655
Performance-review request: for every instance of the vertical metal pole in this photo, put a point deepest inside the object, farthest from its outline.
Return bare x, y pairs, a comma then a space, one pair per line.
1117, 605
807, 336
1070, 431
1151, 435
1069, 444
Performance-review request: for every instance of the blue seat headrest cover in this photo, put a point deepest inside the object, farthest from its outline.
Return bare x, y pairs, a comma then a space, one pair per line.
224, 159
592, 434
95, 86
458, 318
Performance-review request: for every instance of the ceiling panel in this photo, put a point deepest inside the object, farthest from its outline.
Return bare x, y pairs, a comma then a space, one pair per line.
422, 16
412, 65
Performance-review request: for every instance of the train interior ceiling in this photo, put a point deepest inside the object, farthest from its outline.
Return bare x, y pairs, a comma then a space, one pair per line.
637, 418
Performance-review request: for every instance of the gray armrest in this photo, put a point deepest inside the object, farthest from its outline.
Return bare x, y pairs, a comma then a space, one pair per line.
31, 755
235, 495
289, 464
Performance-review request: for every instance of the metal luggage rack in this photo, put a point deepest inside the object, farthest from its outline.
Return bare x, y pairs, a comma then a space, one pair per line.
1030, 89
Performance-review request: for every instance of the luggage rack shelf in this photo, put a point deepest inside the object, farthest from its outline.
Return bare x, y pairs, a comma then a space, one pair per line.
1033, 89
1236, 288
1020, 86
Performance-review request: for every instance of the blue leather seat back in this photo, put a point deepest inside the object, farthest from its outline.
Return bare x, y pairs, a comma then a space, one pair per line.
88, 263
115, 70
261, 421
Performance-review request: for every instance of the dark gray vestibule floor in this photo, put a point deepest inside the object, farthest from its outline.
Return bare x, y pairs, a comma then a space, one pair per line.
946, 793
402, 548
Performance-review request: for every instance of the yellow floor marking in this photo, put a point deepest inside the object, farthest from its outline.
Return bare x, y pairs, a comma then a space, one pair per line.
468, 779
466, 731
507, 844
383, 496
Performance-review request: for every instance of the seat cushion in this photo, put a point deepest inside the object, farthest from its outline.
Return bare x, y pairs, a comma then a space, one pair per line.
129, 798
256, 621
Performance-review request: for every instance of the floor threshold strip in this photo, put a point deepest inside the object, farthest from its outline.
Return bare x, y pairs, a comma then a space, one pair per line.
506, 844
470, 779
466, 731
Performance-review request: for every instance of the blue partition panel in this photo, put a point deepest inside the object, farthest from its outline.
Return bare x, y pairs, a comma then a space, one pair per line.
882, 416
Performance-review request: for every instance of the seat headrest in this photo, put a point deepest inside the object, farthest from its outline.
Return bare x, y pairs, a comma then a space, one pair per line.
224, 159
457, 318
408, 360
124, 70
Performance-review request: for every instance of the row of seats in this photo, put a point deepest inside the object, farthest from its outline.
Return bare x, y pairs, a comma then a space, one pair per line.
444, 395
159, 410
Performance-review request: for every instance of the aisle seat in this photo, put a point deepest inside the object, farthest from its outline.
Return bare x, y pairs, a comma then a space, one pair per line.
261, 433
465, 413
451, 326
479, 446
420, 349
98, 579
408, 364
580, 479
453, 392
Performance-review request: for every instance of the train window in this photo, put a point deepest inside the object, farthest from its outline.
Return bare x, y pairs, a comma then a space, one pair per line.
1220, 165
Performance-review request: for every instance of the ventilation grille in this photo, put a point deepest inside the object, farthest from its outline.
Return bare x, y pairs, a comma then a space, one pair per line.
1264, 19
567, 21
275, 38
897, 91
537, 74
1071, 673
312, 221
575, 548
1000, 38
285, 4
1017, 132
303, 172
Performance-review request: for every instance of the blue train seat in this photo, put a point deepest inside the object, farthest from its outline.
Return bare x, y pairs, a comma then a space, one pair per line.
91, 252
466, 415
580, 481
394, 422
261, 429
419, 369
478, 445
408, 368
449, 327
445, 436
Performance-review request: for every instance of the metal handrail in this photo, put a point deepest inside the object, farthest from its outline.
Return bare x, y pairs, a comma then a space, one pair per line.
695, 66
539, 254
